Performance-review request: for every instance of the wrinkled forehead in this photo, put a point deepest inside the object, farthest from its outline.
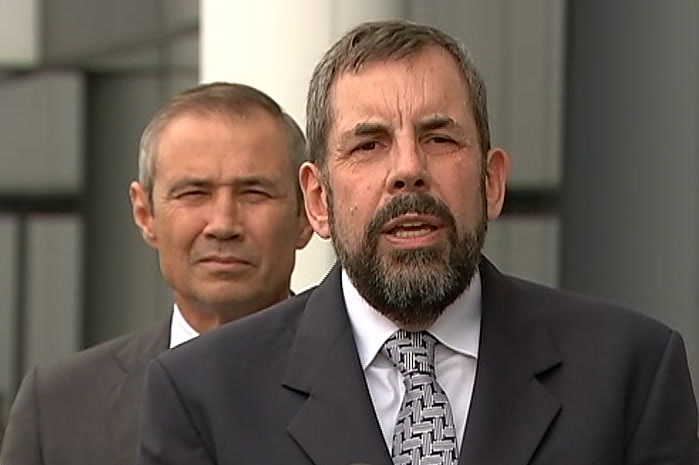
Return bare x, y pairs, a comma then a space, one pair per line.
401, 91
355, 65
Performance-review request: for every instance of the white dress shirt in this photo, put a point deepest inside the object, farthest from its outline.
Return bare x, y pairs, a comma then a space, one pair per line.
457, 330
180, 330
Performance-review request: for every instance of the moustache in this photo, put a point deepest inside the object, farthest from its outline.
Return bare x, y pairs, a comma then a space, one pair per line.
415, 202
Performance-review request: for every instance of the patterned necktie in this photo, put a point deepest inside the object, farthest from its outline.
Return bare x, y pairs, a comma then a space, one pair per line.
424, 432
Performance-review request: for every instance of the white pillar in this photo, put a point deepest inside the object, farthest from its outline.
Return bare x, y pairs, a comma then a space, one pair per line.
273, 45
19, 32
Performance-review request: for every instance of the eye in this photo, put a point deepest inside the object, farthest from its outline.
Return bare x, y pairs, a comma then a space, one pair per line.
367, 146
440, 139
437, 144
192, 193
256, 195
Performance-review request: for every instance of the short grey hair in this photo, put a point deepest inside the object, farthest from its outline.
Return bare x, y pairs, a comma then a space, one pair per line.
217, 98
379, 40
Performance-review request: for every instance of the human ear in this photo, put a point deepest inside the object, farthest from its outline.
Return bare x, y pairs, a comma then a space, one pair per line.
142, 212
497, 168
315, 198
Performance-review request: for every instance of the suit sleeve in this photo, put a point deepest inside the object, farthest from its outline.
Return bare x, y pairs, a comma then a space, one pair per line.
667, 430
168, 436
22, 444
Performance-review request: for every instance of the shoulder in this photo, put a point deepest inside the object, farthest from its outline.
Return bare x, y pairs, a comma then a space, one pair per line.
247, 356
575, 320
250, 337
100, 363
557, 304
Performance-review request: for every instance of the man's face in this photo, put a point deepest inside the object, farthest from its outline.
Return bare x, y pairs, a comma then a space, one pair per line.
407, 191
224, 215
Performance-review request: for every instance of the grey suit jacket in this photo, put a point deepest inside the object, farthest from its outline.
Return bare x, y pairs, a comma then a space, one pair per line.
84, 411
560, 379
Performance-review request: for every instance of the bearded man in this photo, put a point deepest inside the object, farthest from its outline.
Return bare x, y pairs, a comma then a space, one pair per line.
415, 349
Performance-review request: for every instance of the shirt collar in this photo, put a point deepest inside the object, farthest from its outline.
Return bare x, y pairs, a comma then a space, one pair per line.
457, 328
180, 330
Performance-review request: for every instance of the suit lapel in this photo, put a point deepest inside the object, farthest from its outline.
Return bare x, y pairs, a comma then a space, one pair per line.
124, 395
337, 424
511, 409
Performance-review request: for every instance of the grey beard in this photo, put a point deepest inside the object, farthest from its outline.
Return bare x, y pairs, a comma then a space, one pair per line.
412, 287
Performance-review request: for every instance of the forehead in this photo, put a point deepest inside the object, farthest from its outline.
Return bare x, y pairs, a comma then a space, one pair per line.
224, 142
401, 91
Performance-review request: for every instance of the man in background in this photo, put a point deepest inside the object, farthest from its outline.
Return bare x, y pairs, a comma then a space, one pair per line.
218, 197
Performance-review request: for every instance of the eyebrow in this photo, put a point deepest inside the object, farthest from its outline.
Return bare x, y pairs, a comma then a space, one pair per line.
188, 182
245, 181
437, 122
365, 129
251, 181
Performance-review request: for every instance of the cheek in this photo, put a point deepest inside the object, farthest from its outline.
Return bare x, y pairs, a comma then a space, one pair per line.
274, 228
179, 228
464, 196
357, 201
351, 218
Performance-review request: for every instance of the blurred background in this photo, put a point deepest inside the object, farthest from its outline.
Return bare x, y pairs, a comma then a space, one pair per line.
596, 101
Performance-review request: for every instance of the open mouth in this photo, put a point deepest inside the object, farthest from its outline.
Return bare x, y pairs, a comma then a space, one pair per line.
412, 229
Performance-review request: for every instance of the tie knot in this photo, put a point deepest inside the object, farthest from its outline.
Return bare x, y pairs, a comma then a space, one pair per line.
411, 352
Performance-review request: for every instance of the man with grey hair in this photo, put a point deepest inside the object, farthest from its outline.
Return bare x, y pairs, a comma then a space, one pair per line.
218, 197
415, 349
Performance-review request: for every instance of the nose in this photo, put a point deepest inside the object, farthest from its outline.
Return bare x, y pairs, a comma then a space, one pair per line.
408, 169
224, 222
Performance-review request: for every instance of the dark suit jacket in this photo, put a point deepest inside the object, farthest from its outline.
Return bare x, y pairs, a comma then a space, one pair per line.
560, 379
84, 411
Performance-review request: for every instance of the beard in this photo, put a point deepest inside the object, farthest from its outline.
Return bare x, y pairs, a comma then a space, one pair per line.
411, 287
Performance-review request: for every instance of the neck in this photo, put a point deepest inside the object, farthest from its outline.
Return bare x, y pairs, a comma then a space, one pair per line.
202, 322
204, 318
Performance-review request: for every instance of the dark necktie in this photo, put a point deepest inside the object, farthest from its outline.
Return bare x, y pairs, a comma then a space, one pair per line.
424, 432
